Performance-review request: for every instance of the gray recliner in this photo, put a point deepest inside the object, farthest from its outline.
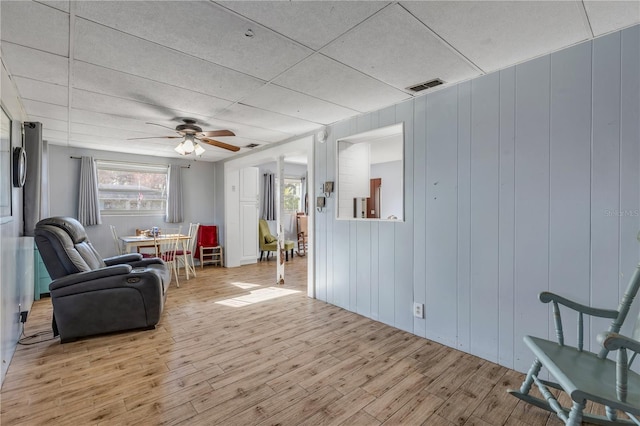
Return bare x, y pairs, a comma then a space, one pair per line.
91, 295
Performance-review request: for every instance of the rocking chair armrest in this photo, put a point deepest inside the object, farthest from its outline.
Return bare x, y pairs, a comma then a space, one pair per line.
614, 341
546, 297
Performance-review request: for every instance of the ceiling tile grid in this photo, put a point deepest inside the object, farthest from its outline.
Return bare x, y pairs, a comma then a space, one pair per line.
313, 24
396, 48
201, 29
332, 81
506, 33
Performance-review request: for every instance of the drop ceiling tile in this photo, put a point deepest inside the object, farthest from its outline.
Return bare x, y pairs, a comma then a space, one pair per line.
50, 123
243, 130
98, 79
494, 35
35, 25
82, 116
97, 102
35, 64
396, 48
313, 23
42, 109
62, 5
332, 81
115, 133
295, 104
36, 90
201, 29
102, 46
54, 137
266, 119
607, 16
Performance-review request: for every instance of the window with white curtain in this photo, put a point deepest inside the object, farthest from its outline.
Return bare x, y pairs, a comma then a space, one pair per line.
131, 188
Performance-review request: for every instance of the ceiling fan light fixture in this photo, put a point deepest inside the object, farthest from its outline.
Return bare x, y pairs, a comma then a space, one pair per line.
180, 149
188, 144
198, 150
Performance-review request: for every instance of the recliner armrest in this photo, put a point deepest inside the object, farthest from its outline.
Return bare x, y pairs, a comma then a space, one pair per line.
123, 258
146, 262
81, 277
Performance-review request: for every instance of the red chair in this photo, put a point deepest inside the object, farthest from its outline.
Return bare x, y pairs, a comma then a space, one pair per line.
208, 250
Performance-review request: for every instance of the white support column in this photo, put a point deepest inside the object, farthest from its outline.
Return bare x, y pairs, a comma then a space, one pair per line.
279, 227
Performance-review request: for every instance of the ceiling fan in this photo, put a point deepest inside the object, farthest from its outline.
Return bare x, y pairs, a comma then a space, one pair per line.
191, 133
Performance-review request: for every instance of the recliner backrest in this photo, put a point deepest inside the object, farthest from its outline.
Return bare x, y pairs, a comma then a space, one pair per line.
65, 248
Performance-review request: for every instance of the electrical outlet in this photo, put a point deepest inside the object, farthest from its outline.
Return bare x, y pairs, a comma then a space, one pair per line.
23, 316
418, 310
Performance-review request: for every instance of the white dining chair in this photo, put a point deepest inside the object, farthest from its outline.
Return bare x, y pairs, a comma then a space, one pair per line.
186, 257
116, 239
168, 244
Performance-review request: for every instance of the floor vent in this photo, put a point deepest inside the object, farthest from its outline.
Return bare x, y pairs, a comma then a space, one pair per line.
426, 85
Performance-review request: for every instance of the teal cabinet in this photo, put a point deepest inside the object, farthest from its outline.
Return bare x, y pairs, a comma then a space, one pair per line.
41, 276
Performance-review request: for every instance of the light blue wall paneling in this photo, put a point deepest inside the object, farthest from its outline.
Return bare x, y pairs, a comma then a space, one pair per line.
531, 202
404, 230
340, 237
485, 157
321, 218
629, 160
419, 209
506, 214
570, 168
363, 267
442, 221
605, 176
509, 179
464, 216
386, 273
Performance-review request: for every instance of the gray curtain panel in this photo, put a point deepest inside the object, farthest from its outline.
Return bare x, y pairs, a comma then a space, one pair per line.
88, 204
269, 197
174, 196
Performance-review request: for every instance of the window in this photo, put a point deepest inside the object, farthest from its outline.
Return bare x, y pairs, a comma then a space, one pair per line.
132, 189
292, 195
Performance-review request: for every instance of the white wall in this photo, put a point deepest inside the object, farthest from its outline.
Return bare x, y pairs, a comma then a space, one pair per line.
516, 182
390, 190
198, 194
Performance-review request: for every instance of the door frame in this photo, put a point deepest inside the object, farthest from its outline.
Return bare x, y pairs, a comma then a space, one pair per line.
302, 146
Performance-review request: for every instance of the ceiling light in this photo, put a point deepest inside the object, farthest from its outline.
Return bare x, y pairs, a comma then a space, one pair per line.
180, 149
198, 149
188, 144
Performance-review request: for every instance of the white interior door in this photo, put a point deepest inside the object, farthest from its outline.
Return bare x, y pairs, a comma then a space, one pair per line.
249, 197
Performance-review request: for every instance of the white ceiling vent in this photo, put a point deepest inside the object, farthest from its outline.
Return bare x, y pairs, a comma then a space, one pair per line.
426, 85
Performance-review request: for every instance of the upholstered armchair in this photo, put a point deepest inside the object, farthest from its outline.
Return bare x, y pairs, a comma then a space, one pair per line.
91, 295
269, 243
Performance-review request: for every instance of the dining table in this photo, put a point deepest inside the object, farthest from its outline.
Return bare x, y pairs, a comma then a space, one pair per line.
132, 242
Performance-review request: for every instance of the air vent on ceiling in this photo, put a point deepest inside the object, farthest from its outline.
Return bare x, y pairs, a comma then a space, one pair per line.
426, 85
252, 145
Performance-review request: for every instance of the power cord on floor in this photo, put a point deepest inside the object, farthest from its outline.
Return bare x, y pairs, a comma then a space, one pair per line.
24, 340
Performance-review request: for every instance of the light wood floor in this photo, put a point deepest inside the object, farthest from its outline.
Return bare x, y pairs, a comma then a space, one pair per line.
233, 349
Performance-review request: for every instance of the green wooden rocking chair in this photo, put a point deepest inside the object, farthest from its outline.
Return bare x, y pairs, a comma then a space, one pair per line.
583, 375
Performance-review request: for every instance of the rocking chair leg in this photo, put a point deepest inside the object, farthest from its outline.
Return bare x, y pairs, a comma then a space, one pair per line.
533, 371
575, 416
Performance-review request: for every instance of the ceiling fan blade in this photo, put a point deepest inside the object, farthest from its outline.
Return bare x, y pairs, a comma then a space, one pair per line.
161, 125
216, 133
158, 137
220, 144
